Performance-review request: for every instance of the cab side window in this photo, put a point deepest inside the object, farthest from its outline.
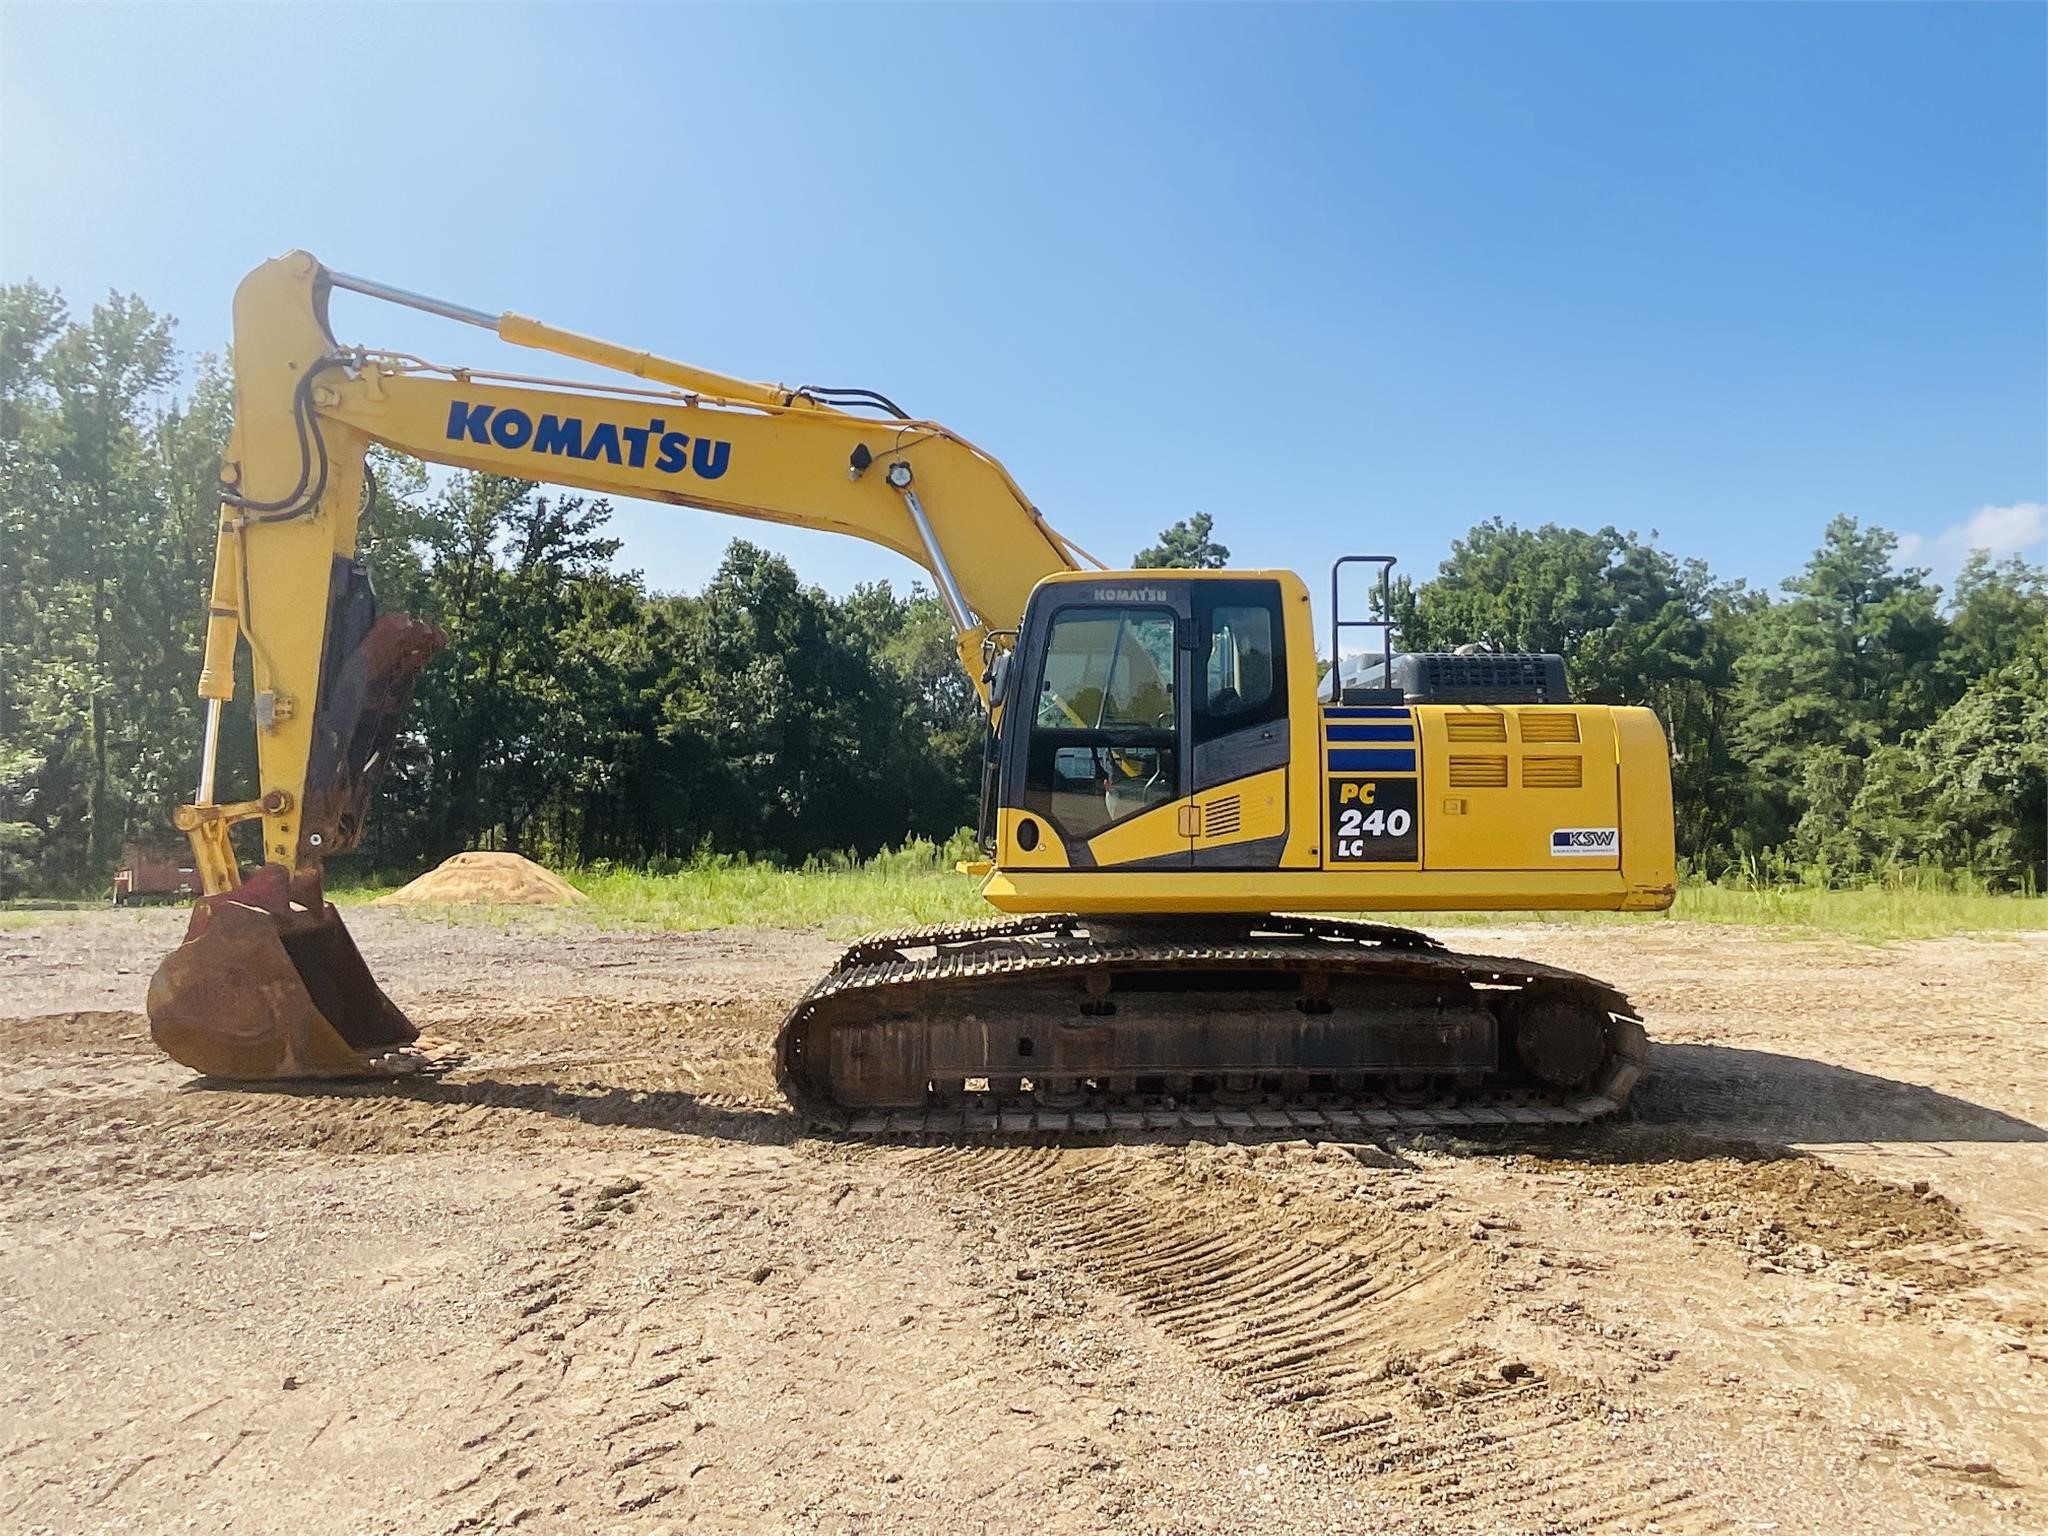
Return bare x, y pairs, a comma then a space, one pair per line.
1240, 669
1243, 673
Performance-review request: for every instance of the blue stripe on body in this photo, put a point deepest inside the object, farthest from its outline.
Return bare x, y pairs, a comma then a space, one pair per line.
1380, 761
1366, 712
1371, 732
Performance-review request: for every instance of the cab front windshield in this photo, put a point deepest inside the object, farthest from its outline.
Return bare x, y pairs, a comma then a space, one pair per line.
1103, 743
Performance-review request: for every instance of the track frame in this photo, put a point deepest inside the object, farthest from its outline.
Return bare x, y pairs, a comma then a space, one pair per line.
1336, 1024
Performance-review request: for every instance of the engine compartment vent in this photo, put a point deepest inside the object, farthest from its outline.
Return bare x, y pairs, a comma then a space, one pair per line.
1553, 772
1476, 727
1479, 773
1558, 727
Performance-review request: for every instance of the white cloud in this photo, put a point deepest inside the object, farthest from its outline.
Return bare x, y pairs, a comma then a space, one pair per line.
2020, 528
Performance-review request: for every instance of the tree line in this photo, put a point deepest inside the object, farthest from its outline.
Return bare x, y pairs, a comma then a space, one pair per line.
1851, 724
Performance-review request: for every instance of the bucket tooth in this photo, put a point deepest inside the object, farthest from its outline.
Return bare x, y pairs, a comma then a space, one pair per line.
268, 986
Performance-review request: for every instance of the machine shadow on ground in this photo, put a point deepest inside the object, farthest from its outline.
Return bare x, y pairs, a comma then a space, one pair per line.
645, 1109
1700, 1101
1763, 1094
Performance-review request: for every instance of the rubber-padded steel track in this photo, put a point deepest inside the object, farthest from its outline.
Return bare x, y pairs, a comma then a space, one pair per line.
1057, 965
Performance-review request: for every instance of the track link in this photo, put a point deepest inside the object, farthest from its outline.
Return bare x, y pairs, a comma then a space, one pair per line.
901, 1016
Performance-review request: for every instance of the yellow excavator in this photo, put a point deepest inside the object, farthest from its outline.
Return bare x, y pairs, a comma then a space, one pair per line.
1169, 780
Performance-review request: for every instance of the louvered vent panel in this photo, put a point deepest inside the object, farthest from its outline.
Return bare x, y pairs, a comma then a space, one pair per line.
1550, 727
1222, 817
1479, 773
1553, 772
1476, 727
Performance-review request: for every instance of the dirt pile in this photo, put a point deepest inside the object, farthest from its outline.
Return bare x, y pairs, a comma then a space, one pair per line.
485, 880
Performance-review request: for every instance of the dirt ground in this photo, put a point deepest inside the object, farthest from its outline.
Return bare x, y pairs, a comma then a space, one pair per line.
597, 1281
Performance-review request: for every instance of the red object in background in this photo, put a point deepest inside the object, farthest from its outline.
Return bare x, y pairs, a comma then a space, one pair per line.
160, 873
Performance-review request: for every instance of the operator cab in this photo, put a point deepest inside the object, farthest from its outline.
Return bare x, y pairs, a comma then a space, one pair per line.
1129, 693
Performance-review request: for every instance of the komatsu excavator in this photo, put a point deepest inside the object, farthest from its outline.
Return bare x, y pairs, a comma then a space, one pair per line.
1167, 778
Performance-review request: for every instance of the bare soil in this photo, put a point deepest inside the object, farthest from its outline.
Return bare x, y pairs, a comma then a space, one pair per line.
597, 1280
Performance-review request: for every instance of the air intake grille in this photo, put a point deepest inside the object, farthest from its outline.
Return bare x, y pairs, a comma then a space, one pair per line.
1220, 818
1553, 772
1487, 727
1479, 773
1550, 727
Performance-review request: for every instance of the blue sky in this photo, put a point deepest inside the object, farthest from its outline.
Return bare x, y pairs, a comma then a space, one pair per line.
1347, 279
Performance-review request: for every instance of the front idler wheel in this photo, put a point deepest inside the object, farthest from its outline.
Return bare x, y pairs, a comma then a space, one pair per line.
1560, 1040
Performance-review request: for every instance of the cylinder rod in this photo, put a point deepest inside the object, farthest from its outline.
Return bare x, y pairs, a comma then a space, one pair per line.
412, 300
949, 590
209, 753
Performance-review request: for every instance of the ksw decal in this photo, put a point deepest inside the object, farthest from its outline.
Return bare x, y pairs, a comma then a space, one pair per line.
1584, 842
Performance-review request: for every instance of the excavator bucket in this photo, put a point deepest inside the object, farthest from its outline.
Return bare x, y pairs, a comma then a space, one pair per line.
268, 986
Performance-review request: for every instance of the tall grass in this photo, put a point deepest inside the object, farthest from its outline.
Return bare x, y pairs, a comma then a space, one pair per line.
918, 884
900, 887
1873, 914
1904, 904
840, 894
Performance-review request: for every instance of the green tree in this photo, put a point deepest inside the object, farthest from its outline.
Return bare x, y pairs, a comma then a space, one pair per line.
812, 739
92, 547
32, 318
107, 373
576, 716
1998, 605
1515, 589
943, 752
504, 567
1186, 546
1968, 793
1848, 663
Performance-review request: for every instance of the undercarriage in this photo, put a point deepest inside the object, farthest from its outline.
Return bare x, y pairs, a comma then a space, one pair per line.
1061, 1024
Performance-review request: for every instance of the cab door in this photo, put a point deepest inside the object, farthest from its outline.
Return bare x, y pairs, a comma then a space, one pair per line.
1237, 816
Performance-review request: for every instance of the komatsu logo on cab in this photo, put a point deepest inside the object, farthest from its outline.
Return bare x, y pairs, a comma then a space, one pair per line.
505, 426
1130, 594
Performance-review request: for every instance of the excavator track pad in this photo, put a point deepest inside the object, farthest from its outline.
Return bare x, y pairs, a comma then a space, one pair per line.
1056, 1025
268, 987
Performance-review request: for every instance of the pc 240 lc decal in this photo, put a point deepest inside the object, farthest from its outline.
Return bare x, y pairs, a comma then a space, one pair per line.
1585, 842
1373, 821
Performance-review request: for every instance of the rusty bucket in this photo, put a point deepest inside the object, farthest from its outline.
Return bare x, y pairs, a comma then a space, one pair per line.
268, 986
